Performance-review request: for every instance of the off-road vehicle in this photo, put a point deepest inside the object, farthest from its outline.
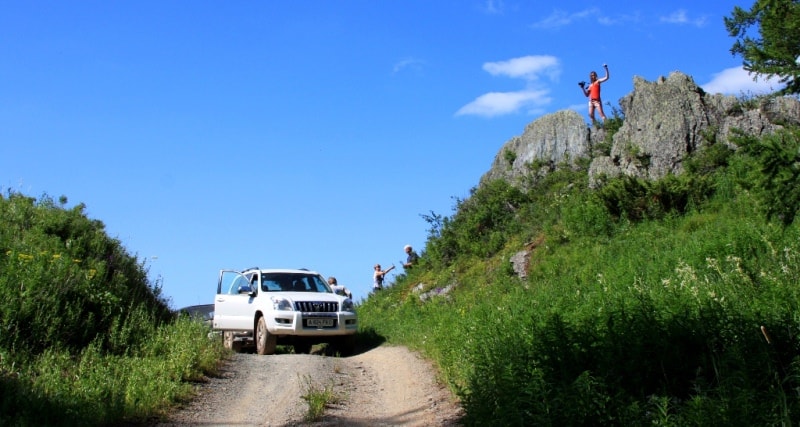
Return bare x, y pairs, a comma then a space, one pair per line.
263, 308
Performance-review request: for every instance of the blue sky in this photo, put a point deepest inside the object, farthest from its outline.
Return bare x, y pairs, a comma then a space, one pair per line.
209, 135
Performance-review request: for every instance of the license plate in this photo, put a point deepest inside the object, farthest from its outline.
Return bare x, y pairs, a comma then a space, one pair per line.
320, 323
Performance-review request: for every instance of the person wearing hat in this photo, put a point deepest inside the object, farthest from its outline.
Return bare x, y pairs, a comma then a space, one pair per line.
412, 257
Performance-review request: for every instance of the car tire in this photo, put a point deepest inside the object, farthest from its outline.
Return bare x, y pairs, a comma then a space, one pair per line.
265, 341
229, 342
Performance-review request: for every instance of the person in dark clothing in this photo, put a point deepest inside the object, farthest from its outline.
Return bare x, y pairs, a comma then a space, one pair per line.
412, 258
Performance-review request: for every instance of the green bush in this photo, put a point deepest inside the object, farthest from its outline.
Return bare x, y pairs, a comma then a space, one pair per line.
87, 339
637, 199
479, 226
778, 156
667, 302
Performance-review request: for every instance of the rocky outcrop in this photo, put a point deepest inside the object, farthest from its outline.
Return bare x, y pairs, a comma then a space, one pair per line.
553, 139
664, 121
672, 117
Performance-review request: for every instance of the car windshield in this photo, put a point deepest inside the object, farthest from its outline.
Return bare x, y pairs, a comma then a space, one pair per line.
293, 282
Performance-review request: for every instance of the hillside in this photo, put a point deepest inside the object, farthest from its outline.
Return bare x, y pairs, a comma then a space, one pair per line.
86, 338
639, 273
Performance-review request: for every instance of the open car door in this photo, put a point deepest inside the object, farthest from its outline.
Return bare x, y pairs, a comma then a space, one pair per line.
233, 309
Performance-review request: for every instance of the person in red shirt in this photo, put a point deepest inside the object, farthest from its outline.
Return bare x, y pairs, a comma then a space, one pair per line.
593, 93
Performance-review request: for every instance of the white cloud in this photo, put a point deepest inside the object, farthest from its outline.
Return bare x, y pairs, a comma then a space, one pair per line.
531, 98
413, 63
527, 67
681, 17
736, 81
499, 103
493, 6
559, 18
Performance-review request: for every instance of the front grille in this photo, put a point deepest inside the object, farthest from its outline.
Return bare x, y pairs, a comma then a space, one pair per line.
316, 306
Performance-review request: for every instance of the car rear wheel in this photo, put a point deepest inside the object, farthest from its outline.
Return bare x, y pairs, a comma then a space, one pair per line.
265, 341
229, 342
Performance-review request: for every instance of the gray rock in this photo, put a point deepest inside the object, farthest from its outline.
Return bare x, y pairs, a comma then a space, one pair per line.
555, 138
519, 262
664, 121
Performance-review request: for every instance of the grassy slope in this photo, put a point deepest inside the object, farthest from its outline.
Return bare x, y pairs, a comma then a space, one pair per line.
655, 320
86, 339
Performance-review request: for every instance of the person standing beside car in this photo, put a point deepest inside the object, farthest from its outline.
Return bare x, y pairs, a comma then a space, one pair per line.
339, 289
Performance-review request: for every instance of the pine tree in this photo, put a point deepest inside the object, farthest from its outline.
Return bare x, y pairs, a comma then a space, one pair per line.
776, 52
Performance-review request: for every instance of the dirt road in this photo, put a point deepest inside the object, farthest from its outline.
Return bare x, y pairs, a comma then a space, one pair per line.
384, 386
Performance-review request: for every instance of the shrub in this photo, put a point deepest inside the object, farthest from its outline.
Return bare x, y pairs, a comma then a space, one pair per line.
87, 339
778, 156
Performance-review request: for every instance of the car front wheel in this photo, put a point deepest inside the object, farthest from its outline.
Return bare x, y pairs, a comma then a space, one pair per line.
265, 341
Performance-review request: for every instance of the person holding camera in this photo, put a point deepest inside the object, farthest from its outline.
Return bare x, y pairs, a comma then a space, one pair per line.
592, 91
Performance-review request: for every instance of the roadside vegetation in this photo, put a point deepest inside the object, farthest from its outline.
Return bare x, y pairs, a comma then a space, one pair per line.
85, 338
669, 303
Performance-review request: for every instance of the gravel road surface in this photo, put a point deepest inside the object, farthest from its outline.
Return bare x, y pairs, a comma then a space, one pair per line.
384, 386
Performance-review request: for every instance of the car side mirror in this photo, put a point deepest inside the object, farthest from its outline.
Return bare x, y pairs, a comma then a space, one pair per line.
245, 289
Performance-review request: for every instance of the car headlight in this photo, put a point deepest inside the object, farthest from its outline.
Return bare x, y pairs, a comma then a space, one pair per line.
347, 305
281, 304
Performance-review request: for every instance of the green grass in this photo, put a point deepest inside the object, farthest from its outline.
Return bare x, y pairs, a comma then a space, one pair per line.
666, 303
86, 338
317, 397
650, 313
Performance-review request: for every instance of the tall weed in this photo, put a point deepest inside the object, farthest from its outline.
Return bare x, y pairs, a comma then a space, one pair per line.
645, 303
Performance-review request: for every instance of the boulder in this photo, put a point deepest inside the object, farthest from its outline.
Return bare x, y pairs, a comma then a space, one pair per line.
664, 121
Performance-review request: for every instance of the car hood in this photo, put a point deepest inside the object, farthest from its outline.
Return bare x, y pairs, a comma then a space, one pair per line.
309, 296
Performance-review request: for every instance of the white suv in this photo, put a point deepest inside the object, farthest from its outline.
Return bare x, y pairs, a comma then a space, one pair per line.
267, 307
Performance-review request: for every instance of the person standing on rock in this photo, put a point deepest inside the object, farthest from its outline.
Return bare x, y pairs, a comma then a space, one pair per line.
593, 93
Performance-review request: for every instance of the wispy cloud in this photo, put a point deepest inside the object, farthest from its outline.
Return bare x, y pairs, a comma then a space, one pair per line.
681, 17
737, 81
527, 67
500, 103
532, 98
560, 18
408, 63
619, 19
494, 7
